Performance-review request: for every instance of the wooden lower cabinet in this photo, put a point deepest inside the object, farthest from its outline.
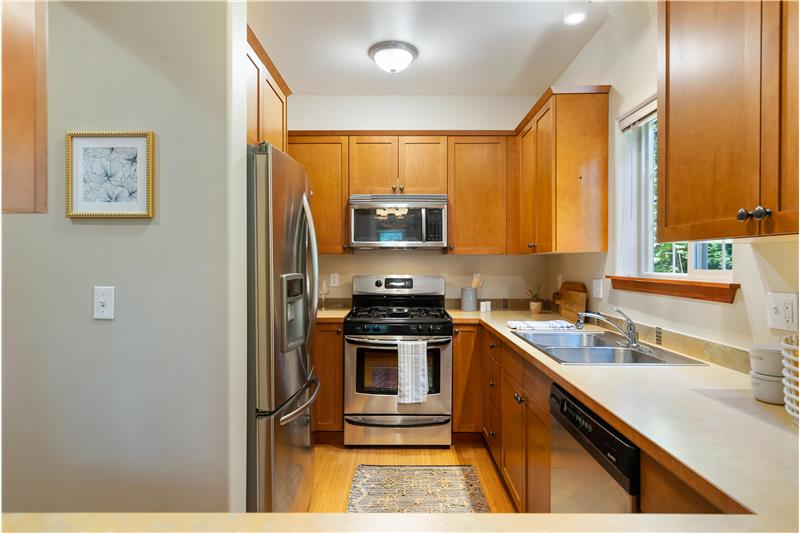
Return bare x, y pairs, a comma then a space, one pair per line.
493, 432
327, 356
512, 465
467, 378
537, 456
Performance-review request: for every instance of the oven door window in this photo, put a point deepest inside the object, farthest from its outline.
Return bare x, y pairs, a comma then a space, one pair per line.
387, 225
376, 371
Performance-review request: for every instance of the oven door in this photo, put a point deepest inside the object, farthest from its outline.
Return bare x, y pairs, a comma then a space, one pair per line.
371, 377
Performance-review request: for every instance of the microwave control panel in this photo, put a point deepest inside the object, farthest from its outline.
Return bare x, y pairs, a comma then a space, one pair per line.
434, 220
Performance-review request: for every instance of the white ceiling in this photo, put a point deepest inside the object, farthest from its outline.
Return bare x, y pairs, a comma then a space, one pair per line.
464, 47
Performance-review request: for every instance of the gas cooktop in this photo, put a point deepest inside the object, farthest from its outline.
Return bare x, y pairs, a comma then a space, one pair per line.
406, 313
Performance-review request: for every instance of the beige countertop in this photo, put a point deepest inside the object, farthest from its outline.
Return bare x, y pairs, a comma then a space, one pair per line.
704, 416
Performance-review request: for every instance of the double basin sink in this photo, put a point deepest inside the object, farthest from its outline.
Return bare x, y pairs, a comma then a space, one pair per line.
599, 348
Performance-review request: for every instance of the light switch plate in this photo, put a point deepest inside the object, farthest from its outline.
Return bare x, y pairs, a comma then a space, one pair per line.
334, 279
559, 281
597, 288
104, 303
782, 310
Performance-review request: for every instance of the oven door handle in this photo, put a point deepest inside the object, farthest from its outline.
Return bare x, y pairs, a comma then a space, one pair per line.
414, 423
436, 341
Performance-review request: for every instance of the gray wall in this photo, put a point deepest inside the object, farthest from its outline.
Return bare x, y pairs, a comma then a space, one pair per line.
129, 415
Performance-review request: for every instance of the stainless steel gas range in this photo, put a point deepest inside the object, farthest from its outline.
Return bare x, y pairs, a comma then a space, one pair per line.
387, 309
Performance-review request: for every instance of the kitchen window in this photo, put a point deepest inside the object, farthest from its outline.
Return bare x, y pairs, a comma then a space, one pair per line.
691, 260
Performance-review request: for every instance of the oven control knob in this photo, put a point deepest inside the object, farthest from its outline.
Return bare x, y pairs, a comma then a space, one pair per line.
378, 283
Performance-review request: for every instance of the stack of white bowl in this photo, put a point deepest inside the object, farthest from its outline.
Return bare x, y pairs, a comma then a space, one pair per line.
766, 373
791, 376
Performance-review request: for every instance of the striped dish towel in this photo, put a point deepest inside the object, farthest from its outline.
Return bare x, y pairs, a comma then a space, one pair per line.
540, 324
412, 371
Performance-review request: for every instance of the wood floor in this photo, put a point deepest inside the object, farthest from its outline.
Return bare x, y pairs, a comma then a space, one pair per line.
335, 466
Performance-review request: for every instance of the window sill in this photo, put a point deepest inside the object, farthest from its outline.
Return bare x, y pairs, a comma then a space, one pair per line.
710, 291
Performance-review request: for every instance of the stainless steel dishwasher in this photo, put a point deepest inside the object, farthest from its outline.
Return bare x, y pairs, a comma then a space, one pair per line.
593, 469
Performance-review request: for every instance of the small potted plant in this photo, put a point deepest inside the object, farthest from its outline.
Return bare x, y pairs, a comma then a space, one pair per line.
536, 300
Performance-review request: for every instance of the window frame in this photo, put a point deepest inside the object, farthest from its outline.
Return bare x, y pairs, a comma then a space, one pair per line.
647, 241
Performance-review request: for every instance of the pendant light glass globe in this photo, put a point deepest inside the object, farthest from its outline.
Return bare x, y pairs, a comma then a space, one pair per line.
393, 56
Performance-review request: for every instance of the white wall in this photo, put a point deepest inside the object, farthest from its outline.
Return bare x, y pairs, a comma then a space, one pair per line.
623, 53
394, 112
132, 414
505, 276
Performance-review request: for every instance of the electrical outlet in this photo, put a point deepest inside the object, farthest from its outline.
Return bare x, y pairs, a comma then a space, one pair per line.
559, 281
334, 279
597, 288
782, 310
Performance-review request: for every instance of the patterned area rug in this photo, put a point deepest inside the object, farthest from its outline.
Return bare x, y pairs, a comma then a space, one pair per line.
416, 489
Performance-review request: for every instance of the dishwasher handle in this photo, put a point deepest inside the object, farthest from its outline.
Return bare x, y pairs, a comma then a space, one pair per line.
616, 454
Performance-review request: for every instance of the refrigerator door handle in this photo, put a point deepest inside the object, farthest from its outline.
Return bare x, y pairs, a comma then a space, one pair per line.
287, 418
313, 298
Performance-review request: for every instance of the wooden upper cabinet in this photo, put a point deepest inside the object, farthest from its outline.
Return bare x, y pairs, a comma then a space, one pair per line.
563, 176
476, 185
467, 380
325, 160
327, 355
422, 165
373, 164
779, 139
24, 107
267, 97
725, 76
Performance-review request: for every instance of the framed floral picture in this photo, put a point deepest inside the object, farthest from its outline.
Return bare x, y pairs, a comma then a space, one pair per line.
110, 174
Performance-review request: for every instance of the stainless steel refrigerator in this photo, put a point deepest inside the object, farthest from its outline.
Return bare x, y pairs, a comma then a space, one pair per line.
282, 277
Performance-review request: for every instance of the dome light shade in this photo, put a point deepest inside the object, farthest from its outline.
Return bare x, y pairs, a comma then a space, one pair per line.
392, 56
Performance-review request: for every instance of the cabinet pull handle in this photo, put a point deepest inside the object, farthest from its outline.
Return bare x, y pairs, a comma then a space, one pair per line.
492, 346
394, 188
492, 433
338, 331
492, 384
759, 213
451, 247
345, 247
402, 188
531, 245
520, 400
456, 331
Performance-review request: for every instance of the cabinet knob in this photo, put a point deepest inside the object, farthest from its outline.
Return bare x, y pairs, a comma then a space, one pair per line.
531, 245
345, 247
492, 384
402, 188
338, 331
451, 247
311, 193
759, 213
456, 331
520, 400
394, 188
492, 433
492, 346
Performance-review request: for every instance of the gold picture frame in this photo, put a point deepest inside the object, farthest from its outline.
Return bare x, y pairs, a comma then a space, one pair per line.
104, 177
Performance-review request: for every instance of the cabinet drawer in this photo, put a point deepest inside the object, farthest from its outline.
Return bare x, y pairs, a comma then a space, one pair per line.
512, 363
491, 432
493, 375
491, 346
537, 385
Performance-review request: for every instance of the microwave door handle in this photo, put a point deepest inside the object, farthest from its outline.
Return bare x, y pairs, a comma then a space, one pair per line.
313, 298
423, 212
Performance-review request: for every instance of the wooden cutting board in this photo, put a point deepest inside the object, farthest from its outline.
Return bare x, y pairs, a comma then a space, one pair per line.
571, 300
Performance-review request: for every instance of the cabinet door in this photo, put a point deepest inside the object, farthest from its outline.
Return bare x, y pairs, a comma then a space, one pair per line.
273, 113
528, 204
544, 170
325, 161
513, 440
537, 459
779, 117
253, 109
373, 165
327, 355
492, 433
467, 380
423, 165
709, 93
476, 176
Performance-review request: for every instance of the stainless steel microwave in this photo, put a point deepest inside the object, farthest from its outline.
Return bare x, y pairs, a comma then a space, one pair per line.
398, 221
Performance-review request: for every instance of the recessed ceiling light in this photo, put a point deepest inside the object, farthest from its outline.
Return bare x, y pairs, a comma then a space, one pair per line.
392, 56
574, 15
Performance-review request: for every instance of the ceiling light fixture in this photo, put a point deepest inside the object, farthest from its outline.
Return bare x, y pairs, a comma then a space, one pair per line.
574, 15
392, 56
